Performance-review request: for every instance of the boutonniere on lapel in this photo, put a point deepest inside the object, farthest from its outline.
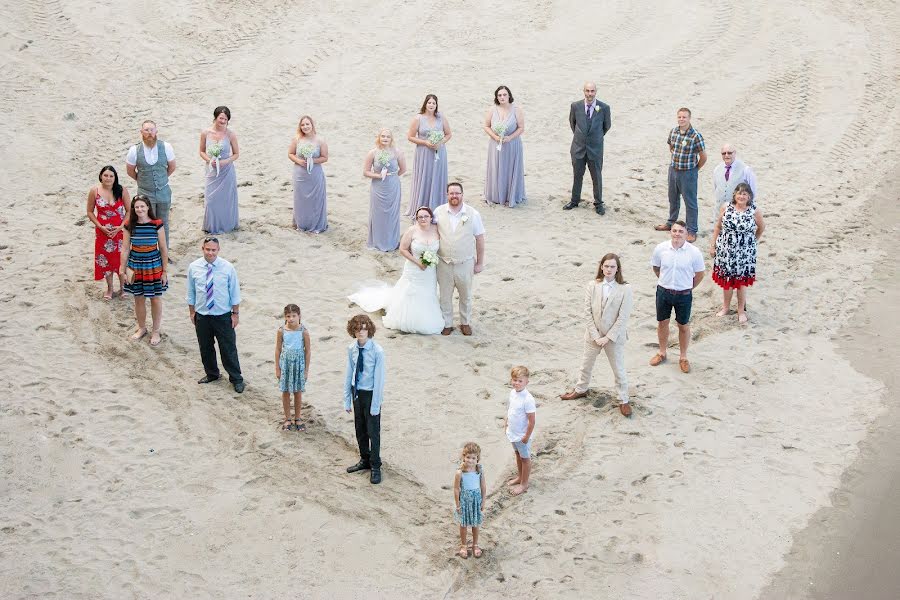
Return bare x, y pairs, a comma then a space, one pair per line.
596, 106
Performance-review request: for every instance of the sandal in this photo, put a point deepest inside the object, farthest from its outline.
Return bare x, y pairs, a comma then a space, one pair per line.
299, 426
287, 425
108, 295
139, 334
476, 551
155, 339
463, 552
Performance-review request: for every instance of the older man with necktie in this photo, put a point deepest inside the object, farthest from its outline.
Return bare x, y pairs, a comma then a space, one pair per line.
589, 120
214, 302
726, 177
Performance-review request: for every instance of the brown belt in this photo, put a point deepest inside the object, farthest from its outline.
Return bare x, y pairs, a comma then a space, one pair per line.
676, 292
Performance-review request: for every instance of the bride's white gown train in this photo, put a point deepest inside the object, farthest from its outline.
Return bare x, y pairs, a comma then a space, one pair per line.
411, 305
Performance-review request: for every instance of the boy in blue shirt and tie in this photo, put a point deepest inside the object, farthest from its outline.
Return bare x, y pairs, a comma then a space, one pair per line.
364, 392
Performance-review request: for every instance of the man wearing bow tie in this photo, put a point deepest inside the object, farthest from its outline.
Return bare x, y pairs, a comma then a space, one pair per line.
589, 120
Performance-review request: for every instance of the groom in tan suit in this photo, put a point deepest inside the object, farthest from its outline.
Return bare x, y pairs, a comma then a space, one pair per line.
461, 255
607, 305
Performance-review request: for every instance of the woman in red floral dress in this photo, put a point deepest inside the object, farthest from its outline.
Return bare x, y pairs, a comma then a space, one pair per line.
107, 206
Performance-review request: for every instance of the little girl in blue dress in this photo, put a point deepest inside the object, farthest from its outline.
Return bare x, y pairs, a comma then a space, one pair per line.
469, 492
291, 365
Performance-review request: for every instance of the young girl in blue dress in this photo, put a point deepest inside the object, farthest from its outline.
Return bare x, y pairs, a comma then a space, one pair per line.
292, 364
469, 492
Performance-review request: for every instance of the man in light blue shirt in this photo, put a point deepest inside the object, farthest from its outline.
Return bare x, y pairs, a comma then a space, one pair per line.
364, 392
214, 302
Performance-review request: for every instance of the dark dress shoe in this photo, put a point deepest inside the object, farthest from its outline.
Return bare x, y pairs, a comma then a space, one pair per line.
570, 205
360, 466
446, 331
573, 395
239, 387
466, 330
375, 476
601, 210
209, 379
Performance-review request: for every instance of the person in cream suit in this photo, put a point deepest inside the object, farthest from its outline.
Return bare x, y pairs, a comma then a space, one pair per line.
460, 256
607, 303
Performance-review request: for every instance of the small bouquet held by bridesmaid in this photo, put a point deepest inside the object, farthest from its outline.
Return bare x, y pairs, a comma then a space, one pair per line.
500, 130
435, 137
383, 158
215, 153
429, 258
306, 151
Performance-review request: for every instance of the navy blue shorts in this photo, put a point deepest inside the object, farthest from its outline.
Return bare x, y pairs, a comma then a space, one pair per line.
666, 301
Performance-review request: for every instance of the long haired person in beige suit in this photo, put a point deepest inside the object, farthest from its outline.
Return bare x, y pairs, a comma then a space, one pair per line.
607, 305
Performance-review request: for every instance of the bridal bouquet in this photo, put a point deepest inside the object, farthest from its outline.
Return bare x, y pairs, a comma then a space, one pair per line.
215, 153
500, 130
383, 158
435, 136
429, 258
306, 151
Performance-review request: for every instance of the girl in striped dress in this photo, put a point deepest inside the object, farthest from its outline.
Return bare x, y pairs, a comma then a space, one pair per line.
291, 365
143, 266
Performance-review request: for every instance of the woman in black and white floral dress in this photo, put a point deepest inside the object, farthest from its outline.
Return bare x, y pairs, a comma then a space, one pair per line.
735, 236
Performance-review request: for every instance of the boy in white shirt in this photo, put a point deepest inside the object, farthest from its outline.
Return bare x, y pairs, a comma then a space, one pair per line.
519, 426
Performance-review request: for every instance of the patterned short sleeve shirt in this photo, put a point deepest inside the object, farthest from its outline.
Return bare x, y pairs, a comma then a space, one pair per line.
687, 147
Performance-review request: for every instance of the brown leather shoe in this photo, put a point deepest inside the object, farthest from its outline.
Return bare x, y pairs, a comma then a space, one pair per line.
573, 395
625, 409
663, 227
685, 365
446, 331
466, 330
692, 237
657, 359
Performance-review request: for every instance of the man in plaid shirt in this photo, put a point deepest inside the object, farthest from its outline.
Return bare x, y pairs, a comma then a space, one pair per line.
688, 157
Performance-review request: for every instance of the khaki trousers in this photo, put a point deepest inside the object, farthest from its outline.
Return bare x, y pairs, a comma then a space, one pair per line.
458, 276
615, 353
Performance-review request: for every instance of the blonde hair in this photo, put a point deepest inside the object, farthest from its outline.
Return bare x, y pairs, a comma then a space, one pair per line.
311, 122
378, 137
469, 448
519, 371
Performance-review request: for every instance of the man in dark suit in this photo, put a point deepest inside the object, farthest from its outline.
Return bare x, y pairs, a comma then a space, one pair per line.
589, 120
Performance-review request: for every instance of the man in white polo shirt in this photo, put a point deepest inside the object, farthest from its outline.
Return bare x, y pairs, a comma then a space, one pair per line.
679, 266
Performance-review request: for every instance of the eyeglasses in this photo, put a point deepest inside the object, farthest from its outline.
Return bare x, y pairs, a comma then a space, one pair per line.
420, 217
728, 153
454, 193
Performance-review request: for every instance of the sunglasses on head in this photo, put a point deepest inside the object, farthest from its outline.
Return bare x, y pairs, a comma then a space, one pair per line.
211, 239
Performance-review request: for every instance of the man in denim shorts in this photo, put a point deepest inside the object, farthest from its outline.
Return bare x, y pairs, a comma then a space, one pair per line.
678, 265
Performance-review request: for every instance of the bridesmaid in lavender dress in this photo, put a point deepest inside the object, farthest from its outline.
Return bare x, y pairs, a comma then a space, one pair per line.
384, 165
309, 152
429, 182
505, 123
221, 215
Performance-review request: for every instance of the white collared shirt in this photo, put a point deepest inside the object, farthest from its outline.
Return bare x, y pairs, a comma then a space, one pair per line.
677, 266
151, 155
607, 289
465, 209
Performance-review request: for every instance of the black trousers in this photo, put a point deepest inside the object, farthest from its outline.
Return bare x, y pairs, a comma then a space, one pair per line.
368, 429
596, 169
218, 328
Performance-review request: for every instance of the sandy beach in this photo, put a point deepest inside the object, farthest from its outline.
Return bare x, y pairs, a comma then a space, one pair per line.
122, 478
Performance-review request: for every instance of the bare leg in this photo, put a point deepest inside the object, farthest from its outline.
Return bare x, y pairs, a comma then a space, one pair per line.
140, 314
476, 551
109, 287
662, 335
684, 338
121, 289
286, 406
156, 313
298, 400
726, 302
741, 304
463, 549
526, 472
518, 478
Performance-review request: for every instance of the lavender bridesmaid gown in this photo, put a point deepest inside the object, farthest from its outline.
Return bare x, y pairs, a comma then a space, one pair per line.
310, 199
384, 209
429, 181
221, 214
505, 180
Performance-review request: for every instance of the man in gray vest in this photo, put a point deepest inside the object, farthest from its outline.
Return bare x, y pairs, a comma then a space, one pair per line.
589, 120
727, 176
151, 170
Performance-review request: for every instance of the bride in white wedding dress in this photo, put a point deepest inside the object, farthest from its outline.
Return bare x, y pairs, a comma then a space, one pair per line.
411, 305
